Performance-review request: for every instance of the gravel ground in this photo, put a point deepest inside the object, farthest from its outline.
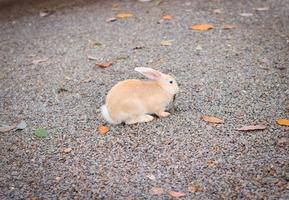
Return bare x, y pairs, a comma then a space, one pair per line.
239, 75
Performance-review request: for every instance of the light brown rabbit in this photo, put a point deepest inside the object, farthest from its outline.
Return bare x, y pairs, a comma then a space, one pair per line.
131, 101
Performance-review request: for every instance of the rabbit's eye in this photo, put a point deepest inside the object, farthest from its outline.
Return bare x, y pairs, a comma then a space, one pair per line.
171, 82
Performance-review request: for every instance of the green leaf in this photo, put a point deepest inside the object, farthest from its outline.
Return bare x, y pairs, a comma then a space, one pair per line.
40, 132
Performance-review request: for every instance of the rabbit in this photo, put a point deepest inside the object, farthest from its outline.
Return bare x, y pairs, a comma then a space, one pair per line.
132, 101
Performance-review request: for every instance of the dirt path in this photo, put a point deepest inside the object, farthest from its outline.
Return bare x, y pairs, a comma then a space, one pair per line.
240, 75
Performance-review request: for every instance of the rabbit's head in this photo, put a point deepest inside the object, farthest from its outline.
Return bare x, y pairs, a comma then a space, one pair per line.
167, 82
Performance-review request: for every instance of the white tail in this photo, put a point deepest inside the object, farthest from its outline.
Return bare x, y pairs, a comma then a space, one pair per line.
105, 114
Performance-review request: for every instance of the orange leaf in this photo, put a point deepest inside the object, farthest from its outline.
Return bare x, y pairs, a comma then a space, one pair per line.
105, 65
167, 17
252, 127
211, 164
103, 129
157, 191
123, 15
212, 119
283, 122
195, 188
176, 194
67, 150
202, 27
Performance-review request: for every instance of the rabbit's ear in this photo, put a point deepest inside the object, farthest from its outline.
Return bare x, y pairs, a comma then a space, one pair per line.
149, 73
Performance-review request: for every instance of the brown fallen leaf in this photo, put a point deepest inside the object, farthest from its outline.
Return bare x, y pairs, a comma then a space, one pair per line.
96, 44
195, 188
67, 150
217, 11
202, 27
211, 164
102, 129
228, 26
138, 47
262, 9
246, 14
283, 122
87, 80
34, 198
151, 176
157, 191
115, 5
105, 65
112, 19
123, 15
215, 148
91, 58
176, 194
124, 57
212, 119
166, 42
167, 17
283, 141
45, 13
252, 127
37, 61
7, 128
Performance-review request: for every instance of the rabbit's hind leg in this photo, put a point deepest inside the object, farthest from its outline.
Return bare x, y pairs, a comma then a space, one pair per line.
140, 119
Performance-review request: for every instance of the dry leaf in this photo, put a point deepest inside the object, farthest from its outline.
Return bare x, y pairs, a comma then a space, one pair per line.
176, 194
112, 19
283, 122
57, 178
123, 15
252, 127
158, 2
35, 62
166, 42
34, 198
283, 141
138, 47
87, 80
157, 191
228, 26
151, 176
202, 27
122, 57
7, 128
105, 65
215, 148
195, 188
96, 44
67, 150
103, 129
212, 119
91, 58
262, 9
246, 14
217, 11
167, 17
45, 13
211, 164
115, 5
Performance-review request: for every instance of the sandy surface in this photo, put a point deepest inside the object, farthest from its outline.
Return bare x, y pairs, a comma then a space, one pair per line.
239, 75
